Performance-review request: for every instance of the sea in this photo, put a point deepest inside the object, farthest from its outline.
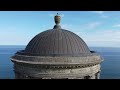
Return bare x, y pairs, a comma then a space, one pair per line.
110, 67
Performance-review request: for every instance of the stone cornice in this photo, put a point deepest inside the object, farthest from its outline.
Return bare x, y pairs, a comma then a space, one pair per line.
58, 62
57, 66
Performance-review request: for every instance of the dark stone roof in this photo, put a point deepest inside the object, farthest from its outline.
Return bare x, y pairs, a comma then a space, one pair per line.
56, 42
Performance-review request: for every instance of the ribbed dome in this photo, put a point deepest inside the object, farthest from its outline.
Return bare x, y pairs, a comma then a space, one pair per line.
57, 42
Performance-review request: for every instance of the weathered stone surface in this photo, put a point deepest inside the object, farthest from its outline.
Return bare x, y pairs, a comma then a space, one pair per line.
57, 60
42, 73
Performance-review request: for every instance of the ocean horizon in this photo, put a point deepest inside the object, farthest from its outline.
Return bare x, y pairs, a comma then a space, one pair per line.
110, 67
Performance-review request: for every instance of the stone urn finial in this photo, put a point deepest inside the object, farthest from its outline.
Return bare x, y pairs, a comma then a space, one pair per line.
57, 19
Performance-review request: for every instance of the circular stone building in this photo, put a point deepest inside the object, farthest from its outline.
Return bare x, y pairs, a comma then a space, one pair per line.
56, 54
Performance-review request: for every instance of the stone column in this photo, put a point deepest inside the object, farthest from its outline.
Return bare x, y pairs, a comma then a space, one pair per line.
97, 75
93, 77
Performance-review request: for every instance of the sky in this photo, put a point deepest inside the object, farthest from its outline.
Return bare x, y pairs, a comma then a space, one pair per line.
96, 28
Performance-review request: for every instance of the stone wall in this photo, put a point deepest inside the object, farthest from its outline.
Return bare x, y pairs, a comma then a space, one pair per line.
31, 71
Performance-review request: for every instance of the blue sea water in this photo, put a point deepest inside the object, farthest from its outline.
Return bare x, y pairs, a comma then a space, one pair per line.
6, 66
110, 67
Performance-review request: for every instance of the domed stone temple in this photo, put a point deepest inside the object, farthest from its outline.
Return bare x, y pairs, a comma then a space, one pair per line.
56, 54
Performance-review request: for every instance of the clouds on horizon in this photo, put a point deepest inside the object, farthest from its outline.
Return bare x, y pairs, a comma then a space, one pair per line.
117, 25
93, 25
99, 37
100, 13
102, 38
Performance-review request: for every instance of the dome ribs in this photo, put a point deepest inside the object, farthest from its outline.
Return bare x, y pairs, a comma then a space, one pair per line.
74, 44
35, 45
64, 44
31, 44
70, 51
60, 43
51, 44
45, 44
55, 42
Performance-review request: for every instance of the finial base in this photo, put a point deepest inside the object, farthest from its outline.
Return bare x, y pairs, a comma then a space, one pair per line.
57, 27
